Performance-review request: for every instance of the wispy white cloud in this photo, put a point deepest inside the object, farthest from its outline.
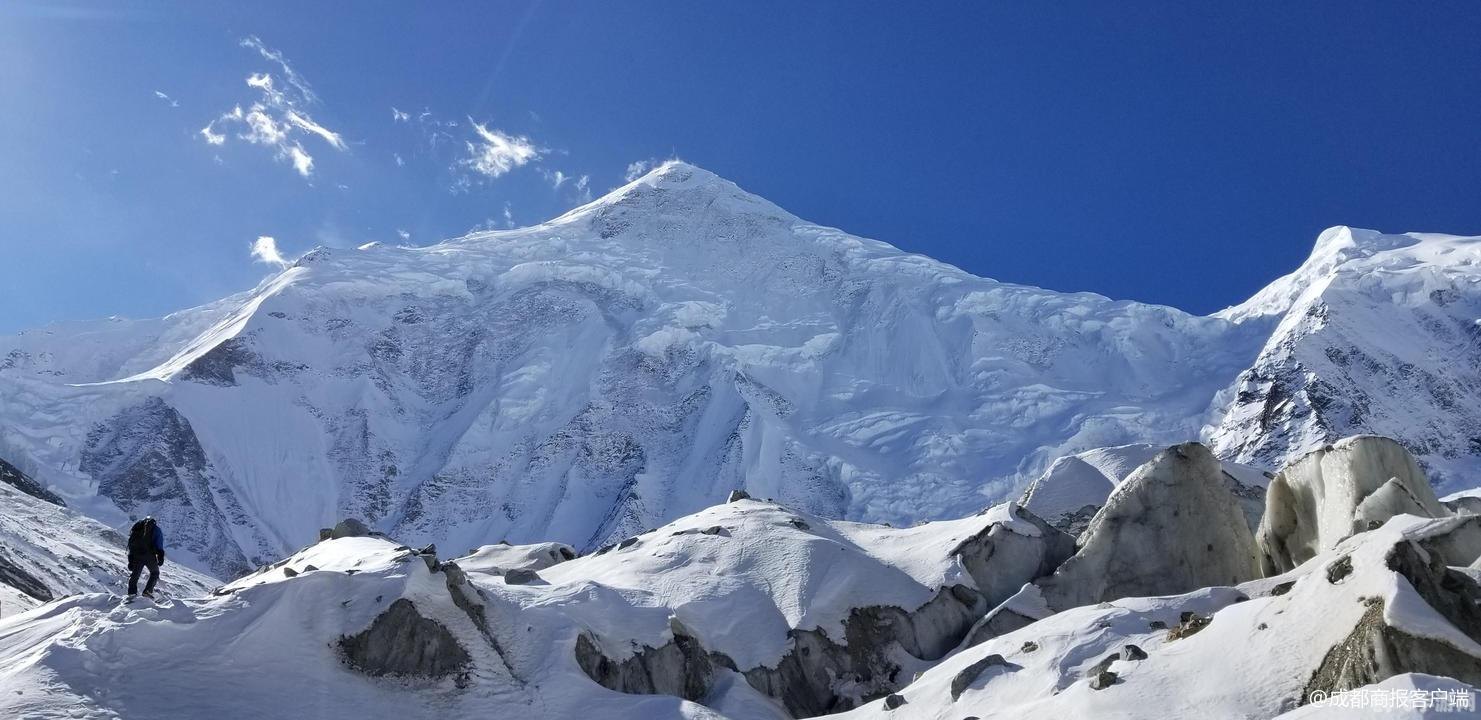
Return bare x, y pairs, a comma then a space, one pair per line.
556, 177
265, 250
493, 152
404, 235
172, 102
293, 78
508, 215
399, 115
579, 190
278, 118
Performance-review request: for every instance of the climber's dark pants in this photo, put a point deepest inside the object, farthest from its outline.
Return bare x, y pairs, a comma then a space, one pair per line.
137, 564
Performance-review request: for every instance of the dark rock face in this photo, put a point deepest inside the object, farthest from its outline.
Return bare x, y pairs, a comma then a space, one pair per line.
806, 680
682, 667
148, 461
12, 476
1375, 651
403, 643
519, 576
17, 577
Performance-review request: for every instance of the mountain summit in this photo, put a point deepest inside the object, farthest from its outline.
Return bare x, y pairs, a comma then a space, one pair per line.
641, 356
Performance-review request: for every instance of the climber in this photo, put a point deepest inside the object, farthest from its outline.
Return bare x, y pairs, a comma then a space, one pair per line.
146, 550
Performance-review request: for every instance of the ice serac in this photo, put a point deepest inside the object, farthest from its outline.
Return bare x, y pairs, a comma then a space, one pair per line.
1171, 527
1374, 334
1380, 611
1332, 493
1075, 486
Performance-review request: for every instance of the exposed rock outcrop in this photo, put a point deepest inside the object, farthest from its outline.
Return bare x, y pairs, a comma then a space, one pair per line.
349, 527
404, 643
1376, 651
1327, 495
12, 476
680, 667
1172, 526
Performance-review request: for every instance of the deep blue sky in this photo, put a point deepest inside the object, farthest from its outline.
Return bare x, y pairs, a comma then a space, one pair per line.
1151, 151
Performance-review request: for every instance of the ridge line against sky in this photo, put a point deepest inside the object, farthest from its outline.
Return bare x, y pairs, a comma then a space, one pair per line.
170, 154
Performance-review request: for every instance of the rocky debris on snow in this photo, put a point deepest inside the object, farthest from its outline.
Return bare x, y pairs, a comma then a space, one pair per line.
1189, 623
1172, 526
1328, 495
737, 496
402, 642
1103, 679
893, 701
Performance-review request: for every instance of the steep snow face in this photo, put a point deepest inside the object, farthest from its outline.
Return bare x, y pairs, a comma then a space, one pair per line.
581, 380
1374, 334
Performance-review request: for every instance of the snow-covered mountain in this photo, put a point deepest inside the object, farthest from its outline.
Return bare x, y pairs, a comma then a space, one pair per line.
1373, 334
639, 357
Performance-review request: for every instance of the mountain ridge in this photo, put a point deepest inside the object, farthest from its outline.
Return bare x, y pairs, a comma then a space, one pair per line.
628, 362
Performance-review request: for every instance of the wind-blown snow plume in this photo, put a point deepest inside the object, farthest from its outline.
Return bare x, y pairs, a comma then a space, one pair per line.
265, 250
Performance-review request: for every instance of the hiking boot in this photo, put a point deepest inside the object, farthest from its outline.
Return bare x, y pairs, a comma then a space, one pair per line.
149, 594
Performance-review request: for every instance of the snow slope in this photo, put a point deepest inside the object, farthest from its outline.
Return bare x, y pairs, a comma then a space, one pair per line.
639, 357
48, 551
269, 644
282, 642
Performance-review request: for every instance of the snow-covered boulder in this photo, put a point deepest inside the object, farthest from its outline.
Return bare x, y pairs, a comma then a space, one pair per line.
500, 559
1172, 526
1353, 485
